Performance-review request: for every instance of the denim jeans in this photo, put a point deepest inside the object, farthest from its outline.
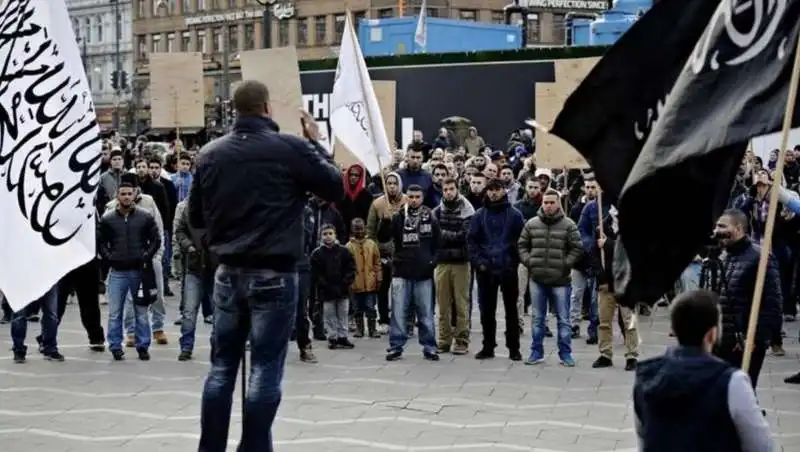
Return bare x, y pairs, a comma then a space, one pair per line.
690, 278
157, 309
19, 323
580, 284
558, 295
405, 295
195, 289
259, 304
121, 287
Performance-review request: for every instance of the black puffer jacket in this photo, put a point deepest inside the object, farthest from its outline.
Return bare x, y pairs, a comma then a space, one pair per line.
333, 270
453, 220
740, 266
249, 193
127, 241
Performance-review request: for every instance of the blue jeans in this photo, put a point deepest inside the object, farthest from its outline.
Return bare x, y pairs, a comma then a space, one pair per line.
558, 295
406, 294
19, 323
194, 290
260, 304
690, 278
364, 304
157, 309
122, 285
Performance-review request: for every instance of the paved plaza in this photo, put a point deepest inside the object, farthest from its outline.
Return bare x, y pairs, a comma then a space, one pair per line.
351, 401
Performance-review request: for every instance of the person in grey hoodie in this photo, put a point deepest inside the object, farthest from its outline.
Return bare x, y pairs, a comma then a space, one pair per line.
689, 400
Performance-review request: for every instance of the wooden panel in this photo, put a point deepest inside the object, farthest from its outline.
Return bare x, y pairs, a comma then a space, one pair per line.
278, 69
177, 96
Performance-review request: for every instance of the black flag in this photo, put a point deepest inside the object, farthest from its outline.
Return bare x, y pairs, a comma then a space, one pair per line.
676, 178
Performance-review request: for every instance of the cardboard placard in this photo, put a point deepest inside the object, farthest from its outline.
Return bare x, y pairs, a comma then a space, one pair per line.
278, 69
177, 95
386, 94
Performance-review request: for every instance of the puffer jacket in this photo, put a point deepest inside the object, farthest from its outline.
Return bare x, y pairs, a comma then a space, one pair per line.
148, 204
453, 218
549, 246
492, 238
740, 265
126, 241
368, 265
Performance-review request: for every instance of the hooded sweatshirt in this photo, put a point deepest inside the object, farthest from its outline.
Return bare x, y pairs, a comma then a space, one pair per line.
357, 200
379, 219
493, 234
690, 401
473, 143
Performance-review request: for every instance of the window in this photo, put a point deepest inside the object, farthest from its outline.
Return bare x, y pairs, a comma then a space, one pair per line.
283, 33
87, 30
249, 36
219, 4
233, 38
100, 78
156, 43
534, 34
338, 29
185, 6
140, 12
157, 5
498, 17
433, 12
468, 14
186, 41
76, 28
201, 42
171, 42
358, 16
98, 25
232, 3
559, 27
141, 47
302, 31
320, 30
217, 40
385, 13
201, 5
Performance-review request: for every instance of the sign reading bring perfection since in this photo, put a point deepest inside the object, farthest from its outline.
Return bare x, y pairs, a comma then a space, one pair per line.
566, 4
280, 10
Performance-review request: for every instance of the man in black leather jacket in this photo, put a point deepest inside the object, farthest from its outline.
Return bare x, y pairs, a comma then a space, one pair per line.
739, 278
250, 192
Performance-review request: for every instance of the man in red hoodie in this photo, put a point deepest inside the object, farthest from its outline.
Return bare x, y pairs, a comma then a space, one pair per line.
357, 199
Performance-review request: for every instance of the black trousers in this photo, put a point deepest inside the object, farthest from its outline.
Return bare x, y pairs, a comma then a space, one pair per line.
488, 284
83, 282
727, 353
383, 294
302, 325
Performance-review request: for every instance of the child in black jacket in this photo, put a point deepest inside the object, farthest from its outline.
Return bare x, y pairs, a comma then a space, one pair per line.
333, 270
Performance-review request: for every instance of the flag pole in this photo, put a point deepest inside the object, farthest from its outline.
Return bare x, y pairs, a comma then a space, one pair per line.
600, 231
369, 115
766, 244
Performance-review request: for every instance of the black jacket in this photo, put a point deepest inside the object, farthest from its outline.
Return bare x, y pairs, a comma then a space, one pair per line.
416, 238
250, 189
159, 194
326, 214
739, 268
127, 241
333, 270
453, 218
172, 202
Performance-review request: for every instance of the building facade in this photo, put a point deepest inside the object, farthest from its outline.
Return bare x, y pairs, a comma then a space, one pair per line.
94, 25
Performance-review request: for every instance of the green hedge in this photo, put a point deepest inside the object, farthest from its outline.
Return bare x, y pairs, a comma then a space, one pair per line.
540, 53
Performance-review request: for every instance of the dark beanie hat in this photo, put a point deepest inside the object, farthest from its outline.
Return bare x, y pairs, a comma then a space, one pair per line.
115, 153
129, 179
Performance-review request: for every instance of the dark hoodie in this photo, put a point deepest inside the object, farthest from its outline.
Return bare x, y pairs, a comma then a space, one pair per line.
528, 207
492, 237
681, 403
356, 200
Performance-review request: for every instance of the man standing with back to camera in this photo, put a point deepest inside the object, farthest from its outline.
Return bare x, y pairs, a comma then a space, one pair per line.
249, 193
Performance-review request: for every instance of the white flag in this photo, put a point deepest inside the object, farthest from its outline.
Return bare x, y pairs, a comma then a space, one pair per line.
355, 116
49, 151
421, 33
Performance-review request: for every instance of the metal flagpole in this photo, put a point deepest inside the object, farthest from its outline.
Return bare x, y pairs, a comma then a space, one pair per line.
766, 244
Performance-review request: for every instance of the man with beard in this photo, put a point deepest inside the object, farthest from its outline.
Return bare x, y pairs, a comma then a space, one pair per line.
440, 173
109, 181
379, 227
153, 188
477, 189
413, 174
492, 243
452, 275
419, 144
357, 200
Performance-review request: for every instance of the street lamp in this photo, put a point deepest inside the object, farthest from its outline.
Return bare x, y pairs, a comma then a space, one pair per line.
266, 39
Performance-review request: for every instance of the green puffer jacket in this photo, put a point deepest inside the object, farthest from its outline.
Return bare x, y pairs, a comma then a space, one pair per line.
550, 246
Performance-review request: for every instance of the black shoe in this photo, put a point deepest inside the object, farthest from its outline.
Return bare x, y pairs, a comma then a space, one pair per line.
168, 292
591, 340
430, 356
602, 362
345, 343
41, 347
333, 344
394, 356
97, 347
118, 355
19, 357
144, 355
630, 364
5, 320
320, 337
793, 380
53, 356
485, 354
547, 332
185, 355
208, 320
178, 322
644, 310
515, 355
576, 332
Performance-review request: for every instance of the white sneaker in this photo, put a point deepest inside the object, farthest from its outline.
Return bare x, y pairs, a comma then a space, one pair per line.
383, 329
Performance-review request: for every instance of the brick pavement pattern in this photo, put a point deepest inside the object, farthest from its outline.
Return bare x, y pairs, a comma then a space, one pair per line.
351, 401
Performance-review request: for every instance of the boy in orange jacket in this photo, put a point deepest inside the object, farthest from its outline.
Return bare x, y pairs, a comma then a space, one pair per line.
368, 277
